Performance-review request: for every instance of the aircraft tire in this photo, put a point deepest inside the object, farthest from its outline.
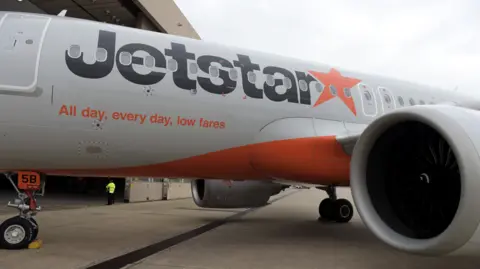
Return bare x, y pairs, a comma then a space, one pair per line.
325, 209
16, 233
343, 210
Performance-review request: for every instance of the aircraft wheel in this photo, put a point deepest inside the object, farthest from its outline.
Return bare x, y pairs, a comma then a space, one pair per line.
343, 210
325, 209
16, 233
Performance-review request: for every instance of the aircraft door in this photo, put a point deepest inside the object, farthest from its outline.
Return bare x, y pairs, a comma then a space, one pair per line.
369, 104
21, 38
387, 99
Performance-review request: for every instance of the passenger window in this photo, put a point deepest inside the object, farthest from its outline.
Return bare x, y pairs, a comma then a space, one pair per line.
233, 74
125, 58
101, 55
74, 51
412, 102
252, 77
387, 98
347, 92
149, 61
400, 101
213, 71
287, 82
367, 95
270, 80
303, 85
193, 68
333, 90
318, 87
172, 65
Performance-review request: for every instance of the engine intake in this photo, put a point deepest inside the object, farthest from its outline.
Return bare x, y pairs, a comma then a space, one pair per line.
415, 178
415, 172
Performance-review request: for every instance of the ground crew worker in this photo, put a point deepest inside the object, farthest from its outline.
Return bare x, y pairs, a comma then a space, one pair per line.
110, 192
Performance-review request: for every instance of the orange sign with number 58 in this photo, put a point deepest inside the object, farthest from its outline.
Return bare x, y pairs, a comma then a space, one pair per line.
29, 180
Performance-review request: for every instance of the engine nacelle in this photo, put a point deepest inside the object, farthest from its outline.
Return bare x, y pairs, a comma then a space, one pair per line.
415, 178
236, 194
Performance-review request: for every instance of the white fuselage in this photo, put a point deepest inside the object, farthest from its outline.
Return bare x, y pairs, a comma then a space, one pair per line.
91, 98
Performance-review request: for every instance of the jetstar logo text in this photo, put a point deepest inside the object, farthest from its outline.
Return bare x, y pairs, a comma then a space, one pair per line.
183, 57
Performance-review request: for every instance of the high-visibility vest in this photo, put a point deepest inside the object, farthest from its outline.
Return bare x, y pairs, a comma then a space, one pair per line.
111, 187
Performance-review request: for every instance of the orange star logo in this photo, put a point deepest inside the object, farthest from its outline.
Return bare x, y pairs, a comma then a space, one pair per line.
333, 79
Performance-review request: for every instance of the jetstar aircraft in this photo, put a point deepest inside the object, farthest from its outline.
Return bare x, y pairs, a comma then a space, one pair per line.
93, 99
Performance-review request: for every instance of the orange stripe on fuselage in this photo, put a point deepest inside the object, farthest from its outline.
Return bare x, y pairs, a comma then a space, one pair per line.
318, 160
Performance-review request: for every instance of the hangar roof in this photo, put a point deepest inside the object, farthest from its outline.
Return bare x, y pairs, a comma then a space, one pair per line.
165, 14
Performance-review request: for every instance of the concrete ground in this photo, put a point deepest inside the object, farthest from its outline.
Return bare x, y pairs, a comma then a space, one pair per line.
76, 238
285, 234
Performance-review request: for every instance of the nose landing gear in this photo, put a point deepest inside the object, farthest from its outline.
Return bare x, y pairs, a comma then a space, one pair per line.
333, 209
18, 232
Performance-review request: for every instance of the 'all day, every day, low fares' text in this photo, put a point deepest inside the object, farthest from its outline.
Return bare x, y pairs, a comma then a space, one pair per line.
140, 118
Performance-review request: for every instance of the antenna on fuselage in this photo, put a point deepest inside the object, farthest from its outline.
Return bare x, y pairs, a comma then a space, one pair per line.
62, 13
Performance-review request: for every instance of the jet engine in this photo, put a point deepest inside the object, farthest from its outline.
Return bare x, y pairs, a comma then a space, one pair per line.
216, 193
415, 178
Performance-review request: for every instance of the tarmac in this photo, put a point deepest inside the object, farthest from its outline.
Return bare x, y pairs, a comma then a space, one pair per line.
177, 234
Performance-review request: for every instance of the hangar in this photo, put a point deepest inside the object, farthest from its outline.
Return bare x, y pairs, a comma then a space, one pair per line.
154, 15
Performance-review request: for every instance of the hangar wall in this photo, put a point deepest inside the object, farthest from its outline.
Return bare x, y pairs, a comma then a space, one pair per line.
155, 15
144, 23
167, 17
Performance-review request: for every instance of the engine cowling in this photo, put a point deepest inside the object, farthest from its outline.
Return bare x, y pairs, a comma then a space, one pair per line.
215, 193
415, 178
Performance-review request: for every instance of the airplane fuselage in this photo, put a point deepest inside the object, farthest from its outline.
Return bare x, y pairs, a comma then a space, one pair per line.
89, 98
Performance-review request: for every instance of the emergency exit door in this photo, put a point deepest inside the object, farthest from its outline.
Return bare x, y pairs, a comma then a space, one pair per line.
21, 38
369, 104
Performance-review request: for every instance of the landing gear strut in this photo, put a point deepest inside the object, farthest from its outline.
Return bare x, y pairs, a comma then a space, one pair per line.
333, 209
18, 232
